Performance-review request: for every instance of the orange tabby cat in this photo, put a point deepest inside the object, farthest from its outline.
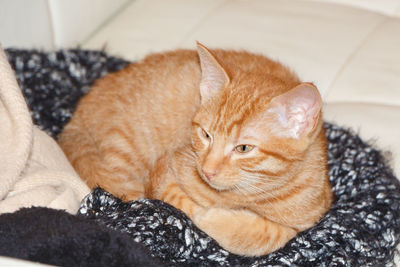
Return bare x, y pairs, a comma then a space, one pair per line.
233, 139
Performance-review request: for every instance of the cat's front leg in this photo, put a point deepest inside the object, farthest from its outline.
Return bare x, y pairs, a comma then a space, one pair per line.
163, 185
243, 232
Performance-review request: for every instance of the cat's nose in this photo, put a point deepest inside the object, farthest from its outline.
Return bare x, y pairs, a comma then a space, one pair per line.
209, 175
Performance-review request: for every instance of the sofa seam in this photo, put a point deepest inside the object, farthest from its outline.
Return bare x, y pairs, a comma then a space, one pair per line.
353, 53
200, 22
50, 14
106, 22
389, 105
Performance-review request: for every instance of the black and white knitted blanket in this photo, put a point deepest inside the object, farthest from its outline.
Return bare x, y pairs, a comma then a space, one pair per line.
361, 229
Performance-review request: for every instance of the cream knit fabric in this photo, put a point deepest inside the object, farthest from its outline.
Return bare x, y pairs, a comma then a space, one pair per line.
33, 169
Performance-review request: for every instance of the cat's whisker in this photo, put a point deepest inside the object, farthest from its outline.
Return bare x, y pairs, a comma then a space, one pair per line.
273, 207
259, 180
259, 175
255, 180
240, 190
268, 194
259, 191
261, 171
255, 189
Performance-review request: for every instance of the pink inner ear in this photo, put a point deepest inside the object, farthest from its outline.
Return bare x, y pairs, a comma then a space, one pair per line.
213, 76
297, 110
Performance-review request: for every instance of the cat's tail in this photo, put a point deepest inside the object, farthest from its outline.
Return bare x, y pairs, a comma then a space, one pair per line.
81, 151
88, 159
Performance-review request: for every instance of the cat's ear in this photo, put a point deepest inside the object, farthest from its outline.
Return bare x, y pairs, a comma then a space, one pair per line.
297, 111
213, 75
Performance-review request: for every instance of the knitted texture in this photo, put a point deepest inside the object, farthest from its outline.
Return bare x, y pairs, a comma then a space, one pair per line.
54, 82
361, 229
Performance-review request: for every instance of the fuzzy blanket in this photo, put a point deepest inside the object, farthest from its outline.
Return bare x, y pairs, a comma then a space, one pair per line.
55, 237
361, 229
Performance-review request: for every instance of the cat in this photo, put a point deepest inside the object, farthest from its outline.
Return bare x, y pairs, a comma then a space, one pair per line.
231, 138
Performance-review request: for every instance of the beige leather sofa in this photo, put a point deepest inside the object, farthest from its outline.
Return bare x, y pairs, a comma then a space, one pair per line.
349, 48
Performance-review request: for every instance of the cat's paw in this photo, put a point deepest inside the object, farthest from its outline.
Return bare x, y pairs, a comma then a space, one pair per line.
205, 217
243, 232
223, 226
132, 196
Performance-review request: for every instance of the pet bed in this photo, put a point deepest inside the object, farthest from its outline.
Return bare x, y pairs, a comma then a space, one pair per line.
361, 229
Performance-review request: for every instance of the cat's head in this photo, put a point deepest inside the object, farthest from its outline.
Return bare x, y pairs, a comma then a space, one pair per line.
249, 131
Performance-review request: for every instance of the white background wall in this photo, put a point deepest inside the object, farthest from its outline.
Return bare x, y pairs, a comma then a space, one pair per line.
50, 24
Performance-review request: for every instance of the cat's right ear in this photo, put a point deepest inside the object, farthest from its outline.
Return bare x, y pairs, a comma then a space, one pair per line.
213, 75
297, 110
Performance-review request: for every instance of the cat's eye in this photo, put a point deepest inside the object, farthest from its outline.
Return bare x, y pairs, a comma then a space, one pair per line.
244, 148
205, 134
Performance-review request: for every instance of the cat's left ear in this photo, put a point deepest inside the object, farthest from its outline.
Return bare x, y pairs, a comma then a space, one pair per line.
297, 110
213, 75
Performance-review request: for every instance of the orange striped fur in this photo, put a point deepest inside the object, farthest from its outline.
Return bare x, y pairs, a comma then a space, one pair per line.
231, 138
